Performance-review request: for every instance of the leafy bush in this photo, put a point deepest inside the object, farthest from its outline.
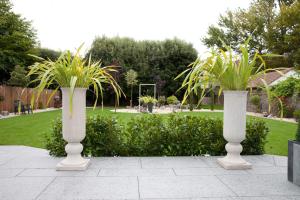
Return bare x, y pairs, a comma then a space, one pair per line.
103, 138
161, 100
156, 135
288, 111
148, 135
55, 143
172, 100
297, 114
41, 105
256, 133
187, 135
287, 88
255, 100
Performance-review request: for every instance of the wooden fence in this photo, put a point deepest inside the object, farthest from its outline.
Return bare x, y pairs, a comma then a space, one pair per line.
12, 94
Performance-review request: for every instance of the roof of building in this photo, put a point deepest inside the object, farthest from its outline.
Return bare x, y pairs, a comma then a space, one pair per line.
269, 77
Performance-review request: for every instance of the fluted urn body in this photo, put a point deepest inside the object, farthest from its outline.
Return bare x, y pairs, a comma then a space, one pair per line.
234, 129
73, 129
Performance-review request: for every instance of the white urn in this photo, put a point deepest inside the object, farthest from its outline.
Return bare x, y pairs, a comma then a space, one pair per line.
73, 129
234, 129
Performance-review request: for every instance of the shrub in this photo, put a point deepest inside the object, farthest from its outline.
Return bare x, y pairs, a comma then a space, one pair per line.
157, 135
55, 143
187, 135
161, 100
103, 138
148, 135
172, 100
195, 135
297, 114
287, 87
255, 100
255, 137
287, 111
41, 105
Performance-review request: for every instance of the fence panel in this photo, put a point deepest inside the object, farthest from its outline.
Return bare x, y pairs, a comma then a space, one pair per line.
11, 94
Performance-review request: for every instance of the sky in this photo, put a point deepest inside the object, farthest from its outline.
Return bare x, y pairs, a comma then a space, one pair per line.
66, 24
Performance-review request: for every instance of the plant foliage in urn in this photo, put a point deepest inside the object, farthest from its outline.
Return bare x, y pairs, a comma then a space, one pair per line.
74, 76
232, 73
150, 101
72, 71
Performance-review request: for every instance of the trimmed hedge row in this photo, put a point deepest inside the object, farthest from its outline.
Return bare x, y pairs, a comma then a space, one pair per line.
156, 135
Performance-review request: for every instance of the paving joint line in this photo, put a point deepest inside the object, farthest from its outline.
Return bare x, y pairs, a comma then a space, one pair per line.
174, 172
140, 161
99, 172
227, 186
138, 182
17, 175
45, 188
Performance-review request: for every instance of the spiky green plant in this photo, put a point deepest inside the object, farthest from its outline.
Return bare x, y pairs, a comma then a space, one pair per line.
226, 69
148, 99
72, 71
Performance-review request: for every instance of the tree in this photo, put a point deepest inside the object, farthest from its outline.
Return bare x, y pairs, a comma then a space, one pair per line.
155, 61
48, 53
17, 40
18, 77
131, 80
272, 24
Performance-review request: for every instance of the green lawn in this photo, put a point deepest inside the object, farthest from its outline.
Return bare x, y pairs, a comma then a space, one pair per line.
30, 130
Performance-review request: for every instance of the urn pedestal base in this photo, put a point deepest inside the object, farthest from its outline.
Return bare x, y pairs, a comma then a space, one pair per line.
74, 160
227, 164
65, 166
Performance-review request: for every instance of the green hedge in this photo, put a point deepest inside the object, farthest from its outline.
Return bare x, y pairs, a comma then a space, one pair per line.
103, 138
156, 135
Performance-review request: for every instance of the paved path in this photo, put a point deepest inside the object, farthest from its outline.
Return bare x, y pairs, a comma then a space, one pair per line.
28, 173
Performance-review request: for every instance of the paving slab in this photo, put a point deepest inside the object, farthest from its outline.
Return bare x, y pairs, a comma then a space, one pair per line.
268, 198
5, 173
69, 188
53, 173
280, 160
29, 173
268, 170
182, 187
206, 171
25, 188
172, 162
116, 162
260, 185
136, 172
33, 161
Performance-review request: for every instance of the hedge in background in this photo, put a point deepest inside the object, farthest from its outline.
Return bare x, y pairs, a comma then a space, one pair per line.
156, 135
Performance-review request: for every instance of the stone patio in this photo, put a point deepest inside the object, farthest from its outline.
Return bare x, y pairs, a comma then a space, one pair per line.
29, 173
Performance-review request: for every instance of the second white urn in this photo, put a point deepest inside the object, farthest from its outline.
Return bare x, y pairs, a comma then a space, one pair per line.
234, 129
73, 129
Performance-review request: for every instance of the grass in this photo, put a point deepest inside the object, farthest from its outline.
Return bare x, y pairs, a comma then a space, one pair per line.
30, 130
